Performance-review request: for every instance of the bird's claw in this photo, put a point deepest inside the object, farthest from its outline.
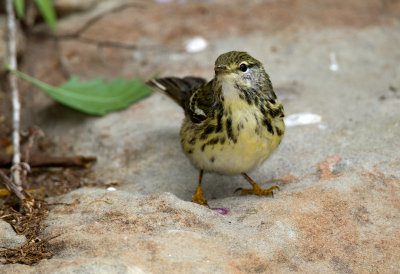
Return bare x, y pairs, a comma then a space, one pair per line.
199, 198
257, 190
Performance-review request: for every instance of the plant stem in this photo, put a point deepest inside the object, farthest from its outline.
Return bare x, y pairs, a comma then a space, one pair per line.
16, 169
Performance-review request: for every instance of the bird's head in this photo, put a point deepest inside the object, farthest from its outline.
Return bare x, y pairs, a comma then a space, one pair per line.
239, 68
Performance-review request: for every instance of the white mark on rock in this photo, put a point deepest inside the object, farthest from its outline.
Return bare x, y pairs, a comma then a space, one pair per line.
111, 188
196, 44
287, 229
347, 162
334, 66
300, 119
322, 126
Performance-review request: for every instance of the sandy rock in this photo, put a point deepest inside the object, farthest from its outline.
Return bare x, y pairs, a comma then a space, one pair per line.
8, 237
311, 230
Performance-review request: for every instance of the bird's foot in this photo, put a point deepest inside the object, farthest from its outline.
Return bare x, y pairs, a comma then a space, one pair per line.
257, 190
199, 198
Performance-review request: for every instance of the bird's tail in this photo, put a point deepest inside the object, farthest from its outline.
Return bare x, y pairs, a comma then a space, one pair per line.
177, 88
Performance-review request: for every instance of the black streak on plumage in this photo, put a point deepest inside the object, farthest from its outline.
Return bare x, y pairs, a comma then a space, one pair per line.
209, 129
267, 123
229, 130
219, 121
278, 131
192, 141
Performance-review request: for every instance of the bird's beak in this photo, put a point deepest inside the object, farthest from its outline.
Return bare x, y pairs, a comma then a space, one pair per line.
222, 69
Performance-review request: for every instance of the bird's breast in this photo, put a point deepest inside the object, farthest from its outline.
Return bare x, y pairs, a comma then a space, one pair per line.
235, 141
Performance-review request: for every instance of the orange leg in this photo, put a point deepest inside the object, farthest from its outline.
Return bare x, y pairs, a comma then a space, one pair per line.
257, 190
198, 196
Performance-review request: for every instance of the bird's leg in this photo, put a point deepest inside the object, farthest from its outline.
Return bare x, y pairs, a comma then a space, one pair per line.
198, 196
257, 190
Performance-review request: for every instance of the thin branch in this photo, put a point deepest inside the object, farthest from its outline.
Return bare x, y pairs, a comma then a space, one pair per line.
107, 44
12, 45
78, 35
44, 160
63, 61
16, 183
100, 16
34, 132
11, 186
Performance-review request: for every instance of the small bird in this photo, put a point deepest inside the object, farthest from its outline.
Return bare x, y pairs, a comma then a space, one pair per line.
232, 123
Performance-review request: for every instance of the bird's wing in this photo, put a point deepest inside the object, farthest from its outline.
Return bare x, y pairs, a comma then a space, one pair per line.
198, 103
177, 88
191, 93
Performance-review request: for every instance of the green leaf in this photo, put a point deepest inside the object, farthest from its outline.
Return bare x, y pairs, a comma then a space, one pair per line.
19, 8
93, 97
47, 10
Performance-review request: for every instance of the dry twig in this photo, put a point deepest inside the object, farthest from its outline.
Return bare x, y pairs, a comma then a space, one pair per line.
15, 184
43, 160
78, 34
30, 225
29, 253
34, 133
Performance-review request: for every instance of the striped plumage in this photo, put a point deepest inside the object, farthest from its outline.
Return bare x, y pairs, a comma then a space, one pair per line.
232, 123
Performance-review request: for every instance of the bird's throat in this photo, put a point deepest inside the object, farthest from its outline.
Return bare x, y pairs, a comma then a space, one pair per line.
229, 92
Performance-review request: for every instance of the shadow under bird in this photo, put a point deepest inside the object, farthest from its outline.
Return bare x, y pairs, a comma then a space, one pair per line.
232, 123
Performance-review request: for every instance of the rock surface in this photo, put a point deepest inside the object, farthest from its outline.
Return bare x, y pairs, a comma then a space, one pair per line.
8, 237
338, 210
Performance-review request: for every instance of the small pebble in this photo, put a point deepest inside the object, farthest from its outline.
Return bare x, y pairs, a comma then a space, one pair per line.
299, 119
334, 66
196, 44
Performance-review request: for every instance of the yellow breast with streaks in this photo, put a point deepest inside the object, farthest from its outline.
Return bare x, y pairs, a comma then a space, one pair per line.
242, 144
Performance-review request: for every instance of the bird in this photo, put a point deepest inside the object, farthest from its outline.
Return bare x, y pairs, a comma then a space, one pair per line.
232, 123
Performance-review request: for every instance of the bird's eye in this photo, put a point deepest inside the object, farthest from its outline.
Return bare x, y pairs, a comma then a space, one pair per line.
243, 67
